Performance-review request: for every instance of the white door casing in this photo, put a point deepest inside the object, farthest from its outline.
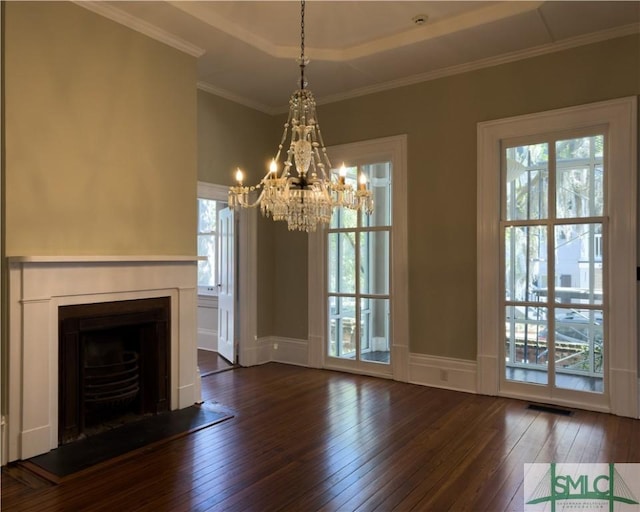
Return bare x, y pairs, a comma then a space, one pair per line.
619, 118
392, 149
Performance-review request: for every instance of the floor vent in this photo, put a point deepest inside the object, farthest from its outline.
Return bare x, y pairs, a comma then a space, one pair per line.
552, 410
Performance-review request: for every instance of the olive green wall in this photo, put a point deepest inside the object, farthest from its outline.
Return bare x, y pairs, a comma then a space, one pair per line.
100, 127
440, 119
290, 309
229, 136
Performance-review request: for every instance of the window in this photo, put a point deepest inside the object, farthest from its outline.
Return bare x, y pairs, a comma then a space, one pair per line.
208, 245
557, 257
358, 252
553, 210
358, 299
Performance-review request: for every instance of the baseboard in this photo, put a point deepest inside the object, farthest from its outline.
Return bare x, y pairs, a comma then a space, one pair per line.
35, 441
274, 349
287, 350
188, 395
443, 372
622, 395
433, 371
207, 339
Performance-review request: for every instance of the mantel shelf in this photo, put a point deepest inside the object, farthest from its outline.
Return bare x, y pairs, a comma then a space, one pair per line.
104, 259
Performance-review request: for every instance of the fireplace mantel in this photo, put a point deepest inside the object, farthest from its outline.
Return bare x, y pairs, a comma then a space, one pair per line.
39, 285
102, 259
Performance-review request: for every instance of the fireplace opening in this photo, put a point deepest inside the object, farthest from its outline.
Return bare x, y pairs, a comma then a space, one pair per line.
113, 364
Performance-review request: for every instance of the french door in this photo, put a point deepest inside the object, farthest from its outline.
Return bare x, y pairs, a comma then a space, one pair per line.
358, 277
553, 231
557, 315
358, 285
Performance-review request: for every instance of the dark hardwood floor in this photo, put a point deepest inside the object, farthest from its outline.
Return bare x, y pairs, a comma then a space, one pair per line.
210, 362
305, 440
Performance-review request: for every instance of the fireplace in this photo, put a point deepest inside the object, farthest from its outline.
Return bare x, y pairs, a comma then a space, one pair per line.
113, 364
43, 289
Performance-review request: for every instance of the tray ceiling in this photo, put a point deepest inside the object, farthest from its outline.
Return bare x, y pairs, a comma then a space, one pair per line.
247, 50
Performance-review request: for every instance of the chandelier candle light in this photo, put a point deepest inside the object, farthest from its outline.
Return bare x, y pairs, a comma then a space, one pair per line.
308, 198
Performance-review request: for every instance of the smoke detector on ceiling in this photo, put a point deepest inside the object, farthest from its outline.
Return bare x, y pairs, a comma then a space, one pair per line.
420, 19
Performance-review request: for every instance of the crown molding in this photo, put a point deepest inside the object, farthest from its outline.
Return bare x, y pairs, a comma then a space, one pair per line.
227, 95
574, 42
123, 18
595, 37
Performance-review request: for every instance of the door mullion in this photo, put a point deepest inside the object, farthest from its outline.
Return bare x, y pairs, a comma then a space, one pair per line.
356, 234
551, 268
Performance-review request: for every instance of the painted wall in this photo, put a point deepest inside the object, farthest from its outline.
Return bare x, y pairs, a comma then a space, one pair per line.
230, 136
440, 118
100, 125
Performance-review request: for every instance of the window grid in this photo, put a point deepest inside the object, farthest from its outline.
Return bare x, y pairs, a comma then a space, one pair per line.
552, 304
362, 320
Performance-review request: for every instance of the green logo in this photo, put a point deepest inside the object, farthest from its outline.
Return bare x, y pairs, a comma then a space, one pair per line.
583, 486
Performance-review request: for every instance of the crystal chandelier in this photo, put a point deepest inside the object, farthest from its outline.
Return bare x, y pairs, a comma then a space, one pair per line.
309, 196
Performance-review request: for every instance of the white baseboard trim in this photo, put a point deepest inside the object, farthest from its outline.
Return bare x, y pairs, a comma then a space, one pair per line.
571, 404
277, 349
208, 339
290, 351
443, 372
189, 394
35, 441
433, 371
255, 353
624, 400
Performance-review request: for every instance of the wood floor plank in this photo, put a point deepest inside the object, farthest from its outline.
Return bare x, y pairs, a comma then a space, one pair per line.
311, 440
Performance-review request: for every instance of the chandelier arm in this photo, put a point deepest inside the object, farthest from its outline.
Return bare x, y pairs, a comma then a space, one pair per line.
322, 164
290, 154
282, 139
321, 141
255, 203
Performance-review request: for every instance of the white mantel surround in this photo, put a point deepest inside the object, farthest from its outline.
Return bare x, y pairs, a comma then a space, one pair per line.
38, 286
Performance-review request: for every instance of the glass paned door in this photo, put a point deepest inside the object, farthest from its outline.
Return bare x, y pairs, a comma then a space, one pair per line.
358, 275
553, 263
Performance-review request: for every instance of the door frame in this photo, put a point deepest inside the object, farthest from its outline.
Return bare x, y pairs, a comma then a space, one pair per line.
246, 302
394, 149
620, 116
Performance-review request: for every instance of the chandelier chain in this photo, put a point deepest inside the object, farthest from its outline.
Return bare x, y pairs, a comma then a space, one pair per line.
302, 29
302, 61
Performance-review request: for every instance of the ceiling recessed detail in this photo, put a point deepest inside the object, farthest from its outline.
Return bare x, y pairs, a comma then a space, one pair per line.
245, 48
342, 50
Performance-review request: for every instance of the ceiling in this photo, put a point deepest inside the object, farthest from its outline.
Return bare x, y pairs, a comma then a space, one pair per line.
247, 50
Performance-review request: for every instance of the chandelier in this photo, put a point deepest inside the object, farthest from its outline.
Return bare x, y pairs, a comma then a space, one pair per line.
306, 197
